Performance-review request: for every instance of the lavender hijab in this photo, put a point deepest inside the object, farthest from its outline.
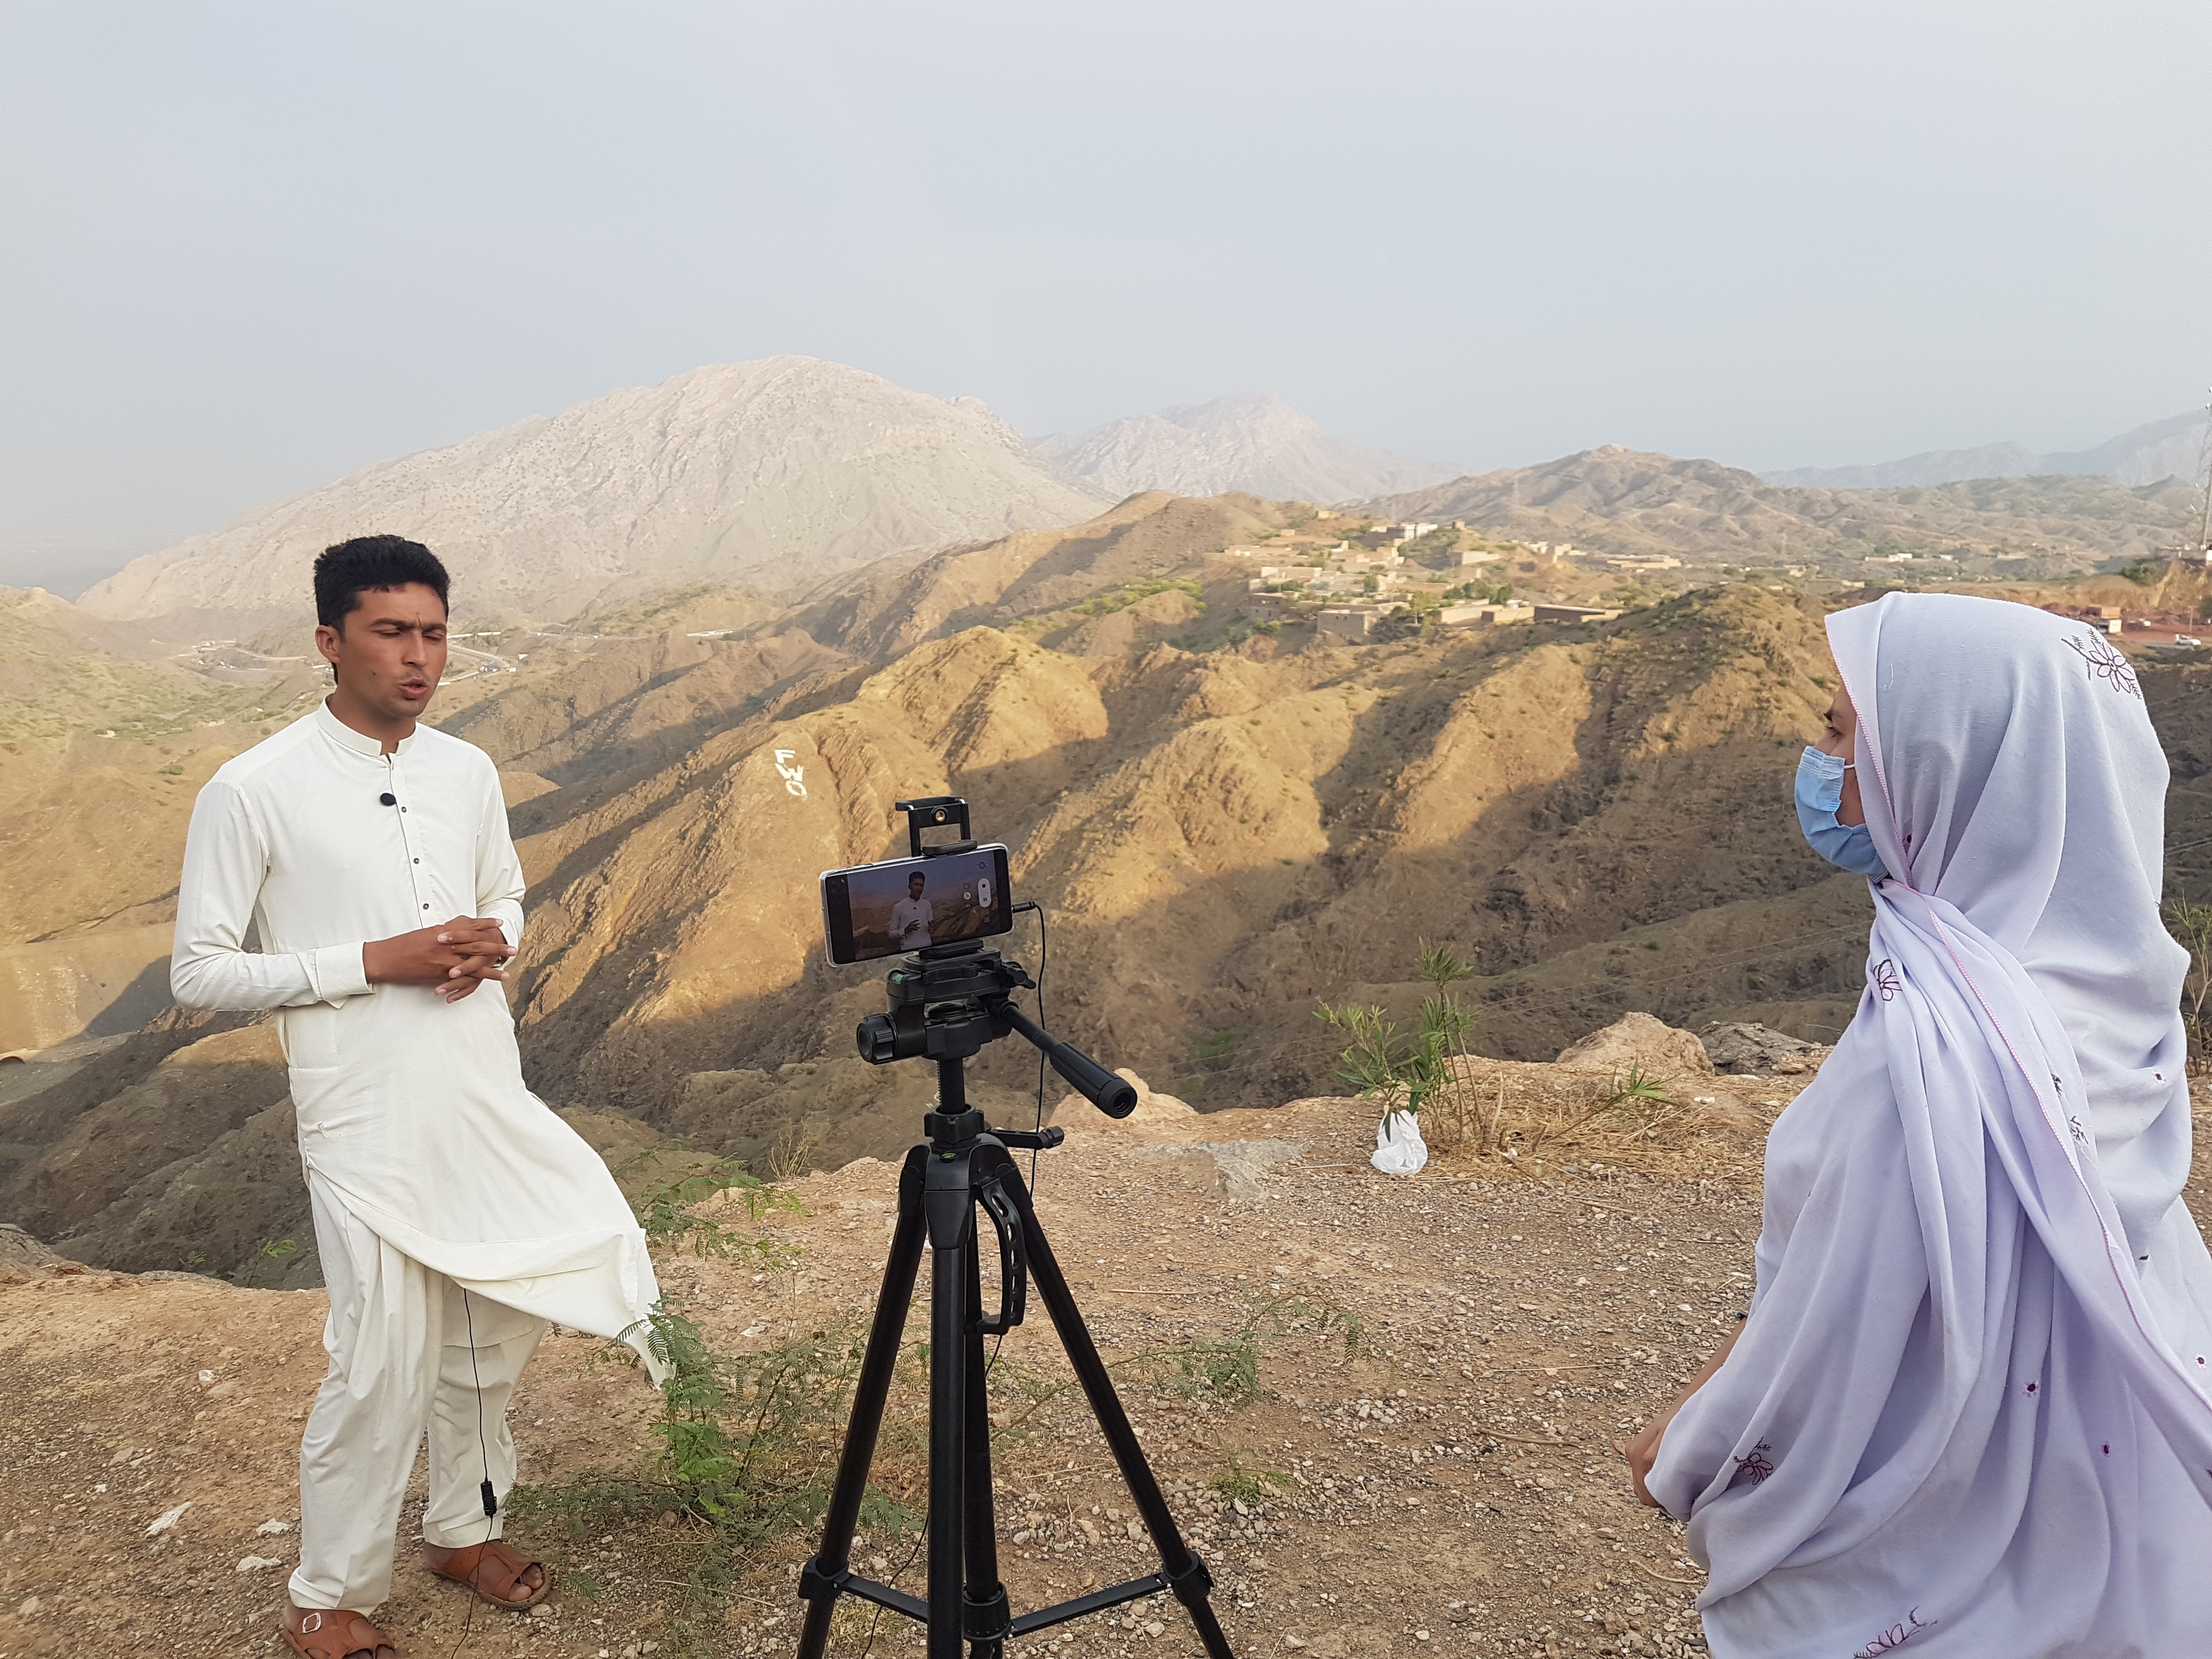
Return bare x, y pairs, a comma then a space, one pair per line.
1971, 1413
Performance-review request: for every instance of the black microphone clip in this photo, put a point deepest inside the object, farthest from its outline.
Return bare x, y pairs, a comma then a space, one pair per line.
387, 798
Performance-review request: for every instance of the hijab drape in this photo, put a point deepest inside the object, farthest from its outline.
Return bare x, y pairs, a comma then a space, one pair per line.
1971, 1412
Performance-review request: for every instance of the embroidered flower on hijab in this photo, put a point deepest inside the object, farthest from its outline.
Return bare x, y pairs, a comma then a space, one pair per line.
2104, 662
1896, 1635
1755, 1468
1885, 980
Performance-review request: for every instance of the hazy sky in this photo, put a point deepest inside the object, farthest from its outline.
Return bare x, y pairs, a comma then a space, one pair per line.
249, 247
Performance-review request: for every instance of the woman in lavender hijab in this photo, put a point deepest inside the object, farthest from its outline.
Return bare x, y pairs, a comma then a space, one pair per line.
1970, 1412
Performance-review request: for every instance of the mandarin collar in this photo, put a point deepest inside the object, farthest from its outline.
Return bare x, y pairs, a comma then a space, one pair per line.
359, 742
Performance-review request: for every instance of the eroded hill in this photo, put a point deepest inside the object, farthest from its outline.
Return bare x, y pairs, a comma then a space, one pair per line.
1227, 821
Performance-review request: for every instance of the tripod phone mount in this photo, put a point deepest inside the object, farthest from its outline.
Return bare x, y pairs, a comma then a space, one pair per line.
947, 1001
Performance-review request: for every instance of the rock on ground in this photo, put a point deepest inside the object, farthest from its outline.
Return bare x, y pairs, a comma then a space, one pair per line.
1639, 1040
1743, 1048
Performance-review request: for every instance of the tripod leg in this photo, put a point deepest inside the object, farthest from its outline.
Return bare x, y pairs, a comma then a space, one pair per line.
949, 1202
1184, 1571
818, 1583
985, 1611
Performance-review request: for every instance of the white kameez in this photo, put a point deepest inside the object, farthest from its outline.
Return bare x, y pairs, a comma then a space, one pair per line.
1971, 1413
413, 1115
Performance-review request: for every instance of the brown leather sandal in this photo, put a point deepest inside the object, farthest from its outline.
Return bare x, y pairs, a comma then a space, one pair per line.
336, 1633
492, 1571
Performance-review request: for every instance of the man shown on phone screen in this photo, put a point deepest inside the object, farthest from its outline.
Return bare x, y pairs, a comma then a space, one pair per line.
911, 916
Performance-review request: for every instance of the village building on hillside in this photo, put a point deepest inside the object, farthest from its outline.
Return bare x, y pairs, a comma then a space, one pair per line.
1574, 613
1355, 624
1485, 615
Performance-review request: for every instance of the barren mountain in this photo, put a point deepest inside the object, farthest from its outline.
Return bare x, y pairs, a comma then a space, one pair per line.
2171, 448
1253, 441
1219, 840
1225, 821
1624, 501
775, 471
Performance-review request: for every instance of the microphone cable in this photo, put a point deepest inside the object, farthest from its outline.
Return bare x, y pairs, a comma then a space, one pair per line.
490, 1496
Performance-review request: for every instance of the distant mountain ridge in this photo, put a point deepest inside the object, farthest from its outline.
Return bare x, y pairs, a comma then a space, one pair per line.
777, 471
2171, 448
1251, 441
1624, 501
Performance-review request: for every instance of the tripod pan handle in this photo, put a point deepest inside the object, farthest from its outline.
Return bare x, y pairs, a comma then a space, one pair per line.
1115, 1096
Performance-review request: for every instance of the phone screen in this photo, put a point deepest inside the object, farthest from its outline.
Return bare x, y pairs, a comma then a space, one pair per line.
887, 909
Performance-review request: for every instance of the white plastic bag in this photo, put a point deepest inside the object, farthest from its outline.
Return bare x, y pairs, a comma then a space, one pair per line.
1399, 1148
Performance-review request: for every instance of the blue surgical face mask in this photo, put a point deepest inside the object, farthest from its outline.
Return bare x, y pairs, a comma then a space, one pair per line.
1819, 793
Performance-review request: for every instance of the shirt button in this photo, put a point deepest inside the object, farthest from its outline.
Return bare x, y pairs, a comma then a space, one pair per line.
418, 860
426, 907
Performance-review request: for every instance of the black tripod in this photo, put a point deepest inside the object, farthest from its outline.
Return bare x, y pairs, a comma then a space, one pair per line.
947, 1003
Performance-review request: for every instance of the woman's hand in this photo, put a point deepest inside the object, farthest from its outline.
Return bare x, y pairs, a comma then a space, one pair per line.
1642, 1451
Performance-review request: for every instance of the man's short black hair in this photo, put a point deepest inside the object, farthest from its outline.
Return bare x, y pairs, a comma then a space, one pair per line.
344, 572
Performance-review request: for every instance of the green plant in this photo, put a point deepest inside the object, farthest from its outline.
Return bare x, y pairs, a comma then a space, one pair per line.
1402, 1069
1242, 1483
1638, 1088
1215, 1051
667, 1209
747, 1451
1440, 966
1225, 1370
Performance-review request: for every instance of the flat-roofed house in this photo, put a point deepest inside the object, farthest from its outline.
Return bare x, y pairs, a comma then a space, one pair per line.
1574, 613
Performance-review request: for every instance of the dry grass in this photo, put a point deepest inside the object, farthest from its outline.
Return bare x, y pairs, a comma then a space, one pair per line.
1505, 1118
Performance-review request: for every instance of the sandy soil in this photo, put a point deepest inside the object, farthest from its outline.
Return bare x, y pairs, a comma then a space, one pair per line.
1449, 1485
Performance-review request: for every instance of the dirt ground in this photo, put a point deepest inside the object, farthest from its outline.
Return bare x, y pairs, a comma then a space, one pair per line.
1447, 1484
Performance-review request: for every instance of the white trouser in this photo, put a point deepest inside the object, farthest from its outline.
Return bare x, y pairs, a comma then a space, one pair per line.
408, 1350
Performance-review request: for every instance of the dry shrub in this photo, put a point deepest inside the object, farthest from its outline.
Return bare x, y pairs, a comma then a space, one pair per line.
1507, 1117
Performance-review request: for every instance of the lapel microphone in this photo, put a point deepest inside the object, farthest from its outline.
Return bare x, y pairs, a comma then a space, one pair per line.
387, 798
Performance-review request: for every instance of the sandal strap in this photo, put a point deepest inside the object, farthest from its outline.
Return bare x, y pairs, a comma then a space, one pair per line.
334, 1632
468, 1565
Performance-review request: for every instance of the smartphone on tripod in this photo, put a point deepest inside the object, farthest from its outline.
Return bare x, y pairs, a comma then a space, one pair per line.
871, 911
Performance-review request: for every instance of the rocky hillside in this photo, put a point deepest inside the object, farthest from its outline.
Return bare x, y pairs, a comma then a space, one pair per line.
1254, 442
1227, 821
1623, 501
1220, 839
775, 472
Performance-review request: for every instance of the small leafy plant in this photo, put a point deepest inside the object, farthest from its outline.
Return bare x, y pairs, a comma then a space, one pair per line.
1242, 1483
1638, 1088
1441, 966
1401, 1069
666, 1210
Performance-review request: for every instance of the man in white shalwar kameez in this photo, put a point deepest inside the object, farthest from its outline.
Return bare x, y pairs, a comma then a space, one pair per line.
454, 1213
